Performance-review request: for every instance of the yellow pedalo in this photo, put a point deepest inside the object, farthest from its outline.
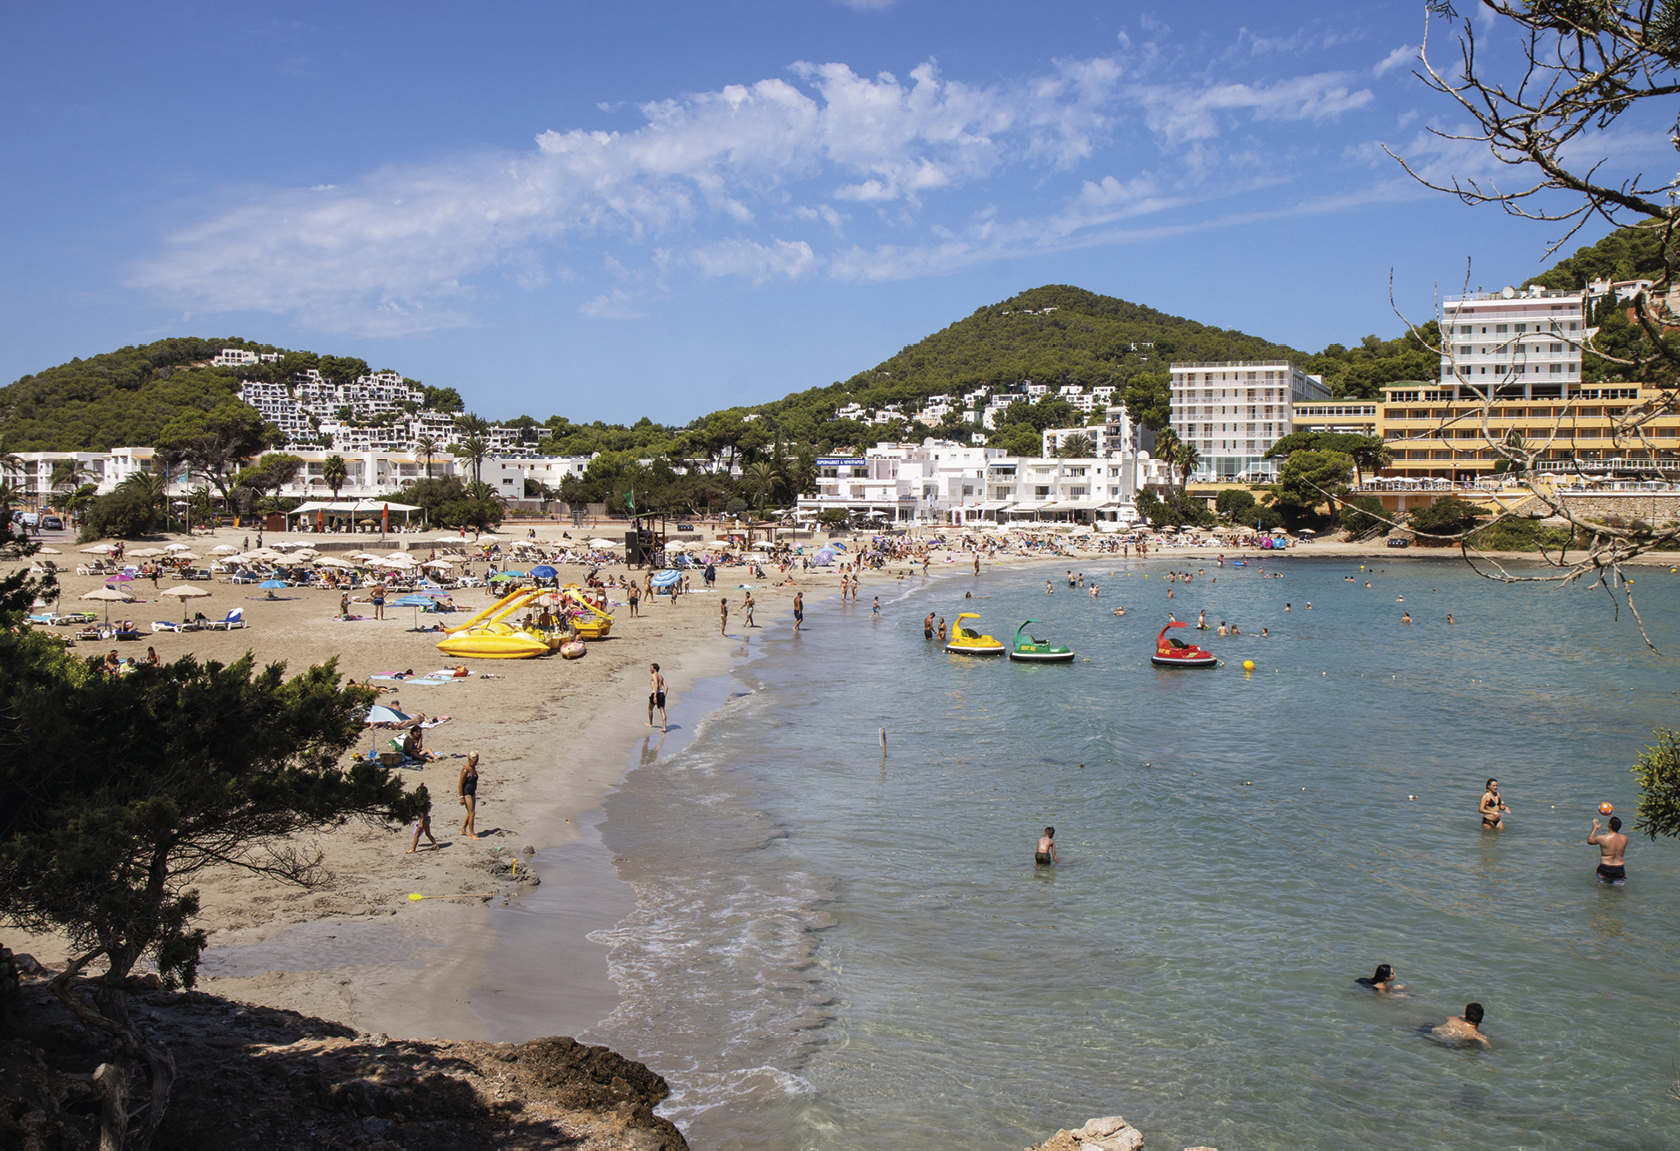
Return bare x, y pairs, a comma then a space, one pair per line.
487, 635
967, 641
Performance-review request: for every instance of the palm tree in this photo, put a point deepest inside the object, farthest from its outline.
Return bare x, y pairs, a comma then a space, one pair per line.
472, 425
335, 472
70, 474
1076, 447
1187, 458
473, 449
150, 485
764, 477
10, 495
1166, 445
427, 446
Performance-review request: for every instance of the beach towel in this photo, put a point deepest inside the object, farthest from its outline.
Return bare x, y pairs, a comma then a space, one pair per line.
417, 680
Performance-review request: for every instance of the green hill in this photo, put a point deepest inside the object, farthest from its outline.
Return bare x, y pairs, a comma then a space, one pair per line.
1052, 335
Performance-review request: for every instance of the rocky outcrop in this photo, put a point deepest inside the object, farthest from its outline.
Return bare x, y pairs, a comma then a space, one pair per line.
1111, 1133
255, 1078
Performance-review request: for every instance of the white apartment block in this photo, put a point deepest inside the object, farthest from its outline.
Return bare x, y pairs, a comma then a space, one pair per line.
372, 473
240, 358
938, 481
1232, 412
1523, 343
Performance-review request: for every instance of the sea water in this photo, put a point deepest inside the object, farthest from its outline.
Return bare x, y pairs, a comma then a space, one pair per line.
838, 948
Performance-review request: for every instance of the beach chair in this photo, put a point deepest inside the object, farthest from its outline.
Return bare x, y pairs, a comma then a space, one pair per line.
233, 619
167, 625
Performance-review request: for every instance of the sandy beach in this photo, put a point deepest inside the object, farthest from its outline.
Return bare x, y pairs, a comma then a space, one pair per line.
484, 955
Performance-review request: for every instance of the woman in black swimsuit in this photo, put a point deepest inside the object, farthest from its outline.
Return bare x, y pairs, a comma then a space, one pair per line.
469, 794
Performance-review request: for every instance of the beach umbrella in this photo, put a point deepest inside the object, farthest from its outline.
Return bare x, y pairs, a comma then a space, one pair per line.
363, 556
379, 713
332, 562
439, 565
50, 552
488, 538
272, 584
99, 550
544, 571
676, 546
179, 548
601, 543
451, 540
185, 592
187, 556
224, 550
145, 553
109, 595
510, 573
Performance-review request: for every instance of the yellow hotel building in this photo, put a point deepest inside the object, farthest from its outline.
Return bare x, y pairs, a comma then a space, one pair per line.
1436, 432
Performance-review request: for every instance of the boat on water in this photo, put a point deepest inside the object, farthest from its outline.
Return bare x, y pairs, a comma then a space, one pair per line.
1174, 652
1030, 649
967, 641
496, 633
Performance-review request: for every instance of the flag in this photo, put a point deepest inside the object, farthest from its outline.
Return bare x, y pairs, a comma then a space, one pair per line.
630, 499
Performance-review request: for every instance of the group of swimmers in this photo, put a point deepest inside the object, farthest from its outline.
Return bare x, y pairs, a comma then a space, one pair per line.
1458, 1029
1611, 843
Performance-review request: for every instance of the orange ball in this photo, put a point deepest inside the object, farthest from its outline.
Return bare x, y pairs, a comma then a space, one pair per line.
1606, 808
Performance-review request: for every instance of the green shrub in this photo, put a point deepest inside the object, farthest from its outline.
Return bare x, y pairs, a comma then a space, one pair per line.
1362, 515
125, 514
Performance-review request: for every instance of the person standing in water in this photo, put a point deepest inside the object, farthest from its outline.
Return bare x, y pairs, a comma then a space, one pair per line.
656, 697
1044, 855
1612, 848
723, 612
468, 787
798, 610
927, 626
1491, 806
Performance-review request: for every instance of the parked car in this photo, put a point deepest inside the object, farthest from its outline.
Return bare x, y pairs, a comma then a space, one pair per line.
51, 524
1399, 542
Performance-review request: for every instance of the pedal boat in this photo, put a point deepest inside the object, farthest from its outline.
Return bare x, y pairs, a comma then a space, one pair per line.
489, 635
1030, 649
967, 641
1174, 652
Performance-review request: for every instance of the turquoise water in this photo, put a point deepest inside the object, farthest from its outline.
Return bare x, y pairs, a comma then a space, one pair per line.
835, 950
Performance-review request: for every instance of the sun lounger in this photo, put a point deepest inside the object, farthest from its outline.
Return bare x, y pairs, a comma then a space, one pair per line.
234, 618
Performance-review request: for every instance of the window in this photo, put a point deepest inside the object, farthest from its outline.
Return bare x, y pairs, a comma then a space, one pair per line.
1499, 329
1042, 493
1464, 329
1465, 351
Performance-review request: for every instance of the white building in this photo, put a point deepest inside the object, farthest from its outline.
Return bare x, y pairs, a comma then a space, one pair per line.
1232, 412
1523, 344
240, 358
371, 474
937, 481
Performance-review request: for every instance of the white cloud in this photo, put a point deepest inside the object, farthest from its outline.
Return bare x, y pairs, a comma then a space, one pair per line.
1401, 57
1185, 114
707, 177
755, 262
617, 304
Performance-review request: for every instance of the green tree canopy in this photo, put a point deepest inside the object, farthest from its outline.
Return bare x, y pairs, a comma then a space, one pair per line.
1310, 478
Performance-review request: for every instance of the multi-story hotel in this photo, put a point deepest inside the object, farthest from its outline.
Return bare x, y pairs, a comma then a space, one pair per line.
1232, 412
1435, 431
1527, 338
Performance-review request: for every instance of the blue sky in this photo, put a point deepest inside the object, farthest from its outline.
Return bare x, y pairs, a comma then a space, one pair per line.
606, 211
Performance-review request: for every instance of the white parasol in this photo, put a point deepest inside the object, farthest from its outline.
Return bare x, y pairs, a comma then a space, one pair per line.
179, 548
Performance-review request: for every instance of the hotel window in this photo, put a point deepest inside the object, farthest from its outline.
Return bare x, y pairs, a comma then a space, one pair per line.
1464, 351
1499, 329
1557, 348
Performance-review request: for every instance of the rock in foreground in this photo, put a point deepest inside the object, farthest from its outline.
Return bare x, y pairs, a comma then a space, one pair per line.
256, 1078
1110, 1133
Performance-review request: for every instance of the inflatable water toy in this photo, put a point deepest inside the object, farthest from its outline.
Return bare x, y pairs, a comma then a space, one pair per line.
1176, 653
572, 649
967, 641
590, 619
488, 635
1030, 649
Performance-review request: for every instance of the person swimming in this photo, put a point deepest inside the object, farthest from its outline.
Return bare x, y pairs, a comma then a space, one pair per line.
1461, 1029
1045, 854
1382, 982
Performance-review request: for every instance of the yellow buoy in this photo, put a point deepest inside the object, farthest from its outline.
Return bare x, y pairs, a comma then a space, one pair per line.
1248, 665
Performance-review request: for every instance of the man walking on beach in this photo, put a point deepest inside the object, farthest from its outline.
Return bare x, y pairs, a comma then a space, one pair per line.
1612, 849
747, 606
656, 697
798, 610
723, 626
